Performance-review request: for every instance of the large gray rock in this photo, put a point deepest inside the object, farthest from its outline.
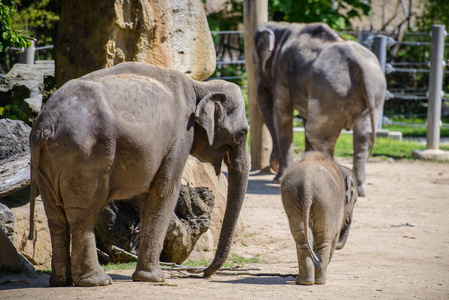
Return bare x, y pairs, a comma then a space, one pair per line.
190, 220
198, 174
7, 221
11, 260
14, 156
13, 139
119, 225
24, 81
37, 251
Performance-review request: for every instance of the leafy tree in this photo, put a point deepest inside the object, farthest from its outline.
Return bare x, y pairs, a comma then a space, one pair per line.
38, 18
434, 12
9, 36
335, 13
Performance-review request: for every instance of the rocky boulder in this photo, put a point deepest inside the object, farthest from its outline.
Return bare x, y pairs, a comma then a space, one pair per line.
98, 34
119, 225
23, 87
11, 260
14, 156
7, 221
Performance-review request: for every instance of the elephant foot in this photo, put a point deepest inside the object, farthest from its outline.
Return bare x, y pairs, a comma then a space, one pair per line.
303, 281
320, 279
277, 178
60, 280
361, 191
156, 275
95, 278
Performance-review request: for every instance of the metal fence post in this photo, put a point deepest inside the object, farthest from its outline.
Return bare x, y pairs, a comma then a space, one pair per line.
380, 50
435, 87
364, 38
27, 56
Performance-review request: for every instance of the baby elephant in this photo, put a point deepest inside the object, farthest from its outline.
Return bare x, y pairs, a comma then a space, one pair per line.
319, 197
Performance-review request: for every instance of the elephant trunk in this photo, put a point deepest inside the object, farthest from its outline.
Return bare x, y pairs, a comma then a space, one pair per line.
238, 170
344, 233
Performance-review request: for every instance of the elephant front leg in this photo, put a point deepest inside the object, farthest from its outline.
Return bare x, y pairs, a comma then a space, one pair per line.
156, 209
86, 270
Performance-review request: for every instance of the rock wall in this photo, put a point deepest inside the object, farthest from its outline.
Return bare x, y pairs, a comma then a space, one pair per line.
98, 34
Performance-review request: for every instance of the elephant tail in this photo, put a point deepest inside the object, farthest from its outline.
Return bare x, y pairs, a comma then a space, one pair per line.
370, 104
39, 135
33, 173
307, 231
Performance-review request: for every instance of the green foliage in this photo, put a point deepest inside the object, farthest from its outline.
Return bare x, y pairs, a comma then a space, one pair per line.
10, 37
38, 19
336, 15
13, 112
434, 12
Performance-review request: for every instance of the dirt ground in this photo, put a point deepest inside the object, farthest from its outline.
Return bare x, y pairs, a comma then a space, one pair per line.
398, 248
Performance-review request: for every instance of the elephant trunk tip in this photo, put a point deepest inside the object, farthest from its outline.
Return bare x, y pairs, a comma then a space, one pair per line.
209, 271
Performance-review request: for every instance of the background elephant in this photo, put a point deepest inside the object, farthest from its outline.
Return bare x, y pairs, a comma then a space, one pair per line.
333, 83
125, 131
318, 197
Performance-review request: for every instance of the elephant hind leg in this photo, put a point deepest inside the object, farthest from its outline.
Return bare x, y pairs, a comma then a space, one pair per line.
82, 205
60, 237
324, 251
306, 266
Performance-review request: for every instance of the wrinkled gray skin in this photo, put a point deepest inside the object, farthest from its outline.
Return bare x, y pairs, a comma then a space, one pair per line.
333, 83
318, 197
126, 131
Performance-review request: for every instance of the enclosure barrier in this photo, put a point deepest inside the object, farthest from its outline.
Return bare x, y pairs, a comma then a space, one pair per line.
435, 87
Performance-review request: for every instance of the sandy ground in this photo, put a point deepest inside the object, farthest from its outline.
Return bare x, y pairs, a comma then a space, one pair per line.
384, 258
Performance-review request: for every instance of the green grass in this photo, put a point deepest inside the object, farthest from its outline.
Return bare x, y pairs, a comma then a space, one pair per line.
408, 131
384, 147
119, 266
232, 261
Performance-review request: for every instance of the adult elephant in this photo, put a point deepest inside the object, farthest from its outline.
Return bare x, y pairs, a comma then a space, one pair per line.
126, 131
332, 82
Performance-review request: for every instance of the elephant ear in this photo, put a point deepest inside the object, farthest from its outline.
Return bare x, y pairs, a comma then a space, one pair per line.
347, 188
349, 185
265, 41
208, 113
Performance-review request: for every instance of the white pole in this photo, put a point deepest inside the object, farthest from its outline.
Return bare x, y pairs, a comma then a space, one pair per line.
435, 87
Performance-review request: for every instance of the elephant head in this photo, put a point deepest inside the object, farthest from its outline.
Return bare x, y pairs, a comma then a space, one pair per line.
350, 200
221, 134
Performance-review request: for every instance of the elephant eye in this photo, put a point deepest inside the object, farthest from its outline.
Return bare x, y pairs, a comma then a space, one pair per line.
240, 136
